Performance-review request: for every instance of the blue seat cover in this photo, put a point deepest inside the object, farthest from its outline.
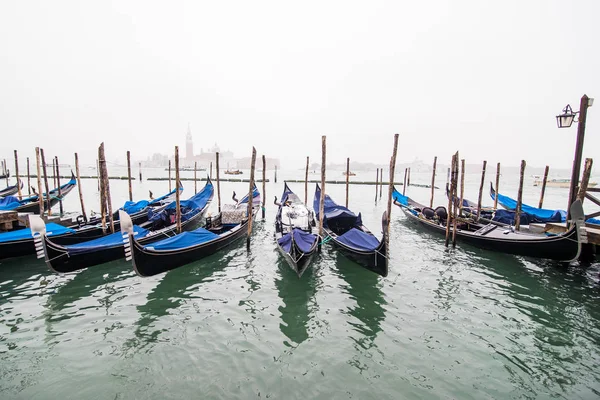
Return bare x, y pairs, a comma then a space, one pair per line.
304, 240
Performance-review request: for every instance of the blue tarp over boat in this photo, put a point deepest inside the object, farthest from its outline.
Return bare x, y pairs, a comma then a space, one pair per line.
9, 203
132, 207
400, 198
52, 229
303, 240
105, 242
183, 240
359, 240
341, 219
535, 214
189, 207
334, 211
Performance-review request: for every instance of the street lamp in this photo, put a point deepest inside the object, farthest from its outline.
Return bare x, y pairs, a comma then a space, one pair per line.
564, 121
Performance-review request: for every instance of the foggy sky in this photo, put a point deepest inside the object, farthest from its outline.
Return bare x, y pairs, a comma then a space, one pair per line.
484, 78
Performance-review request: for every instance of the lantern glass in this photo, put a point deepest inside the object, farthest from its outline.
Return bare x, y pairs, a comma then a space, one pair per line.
565, 120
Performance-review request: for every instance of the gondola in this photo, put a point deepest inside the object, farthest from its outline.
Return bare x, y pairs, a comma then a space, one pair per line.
68, 258
219, 232
564, 247
20, 242
294, 231
348, 234
30, 204
10, 190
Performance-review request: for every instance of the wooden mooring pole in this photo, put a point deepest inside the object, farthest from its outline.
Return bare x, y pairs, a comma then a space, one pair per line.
101, 190
481, 189
106, 185
140, 169
404, 183
264, 185
60, 201
275, 173
587, 171
79, 188
390, 194
54, 172
408, 180
250, 202
218, 183
306, 182
381, 182
129, 175
462, 186
449, 209
195, 177
39, 181
322, 199
544, 186
453, 195
177, 184
497, 184
17, 174
28, 178
519, 197
46, 183
347, 179
210, 175
433, 181
376, 185
170, 176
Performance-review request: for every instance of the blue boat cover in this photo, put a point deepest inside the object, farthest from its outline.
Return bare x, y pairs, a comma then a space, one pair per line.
508, 217
183, 240
189, 207
333, 210
255, 196
304, 240
536, 214
20, 234
9, 203
12, 202
132, 207
400, 198
358, 239
104, 242
157, 201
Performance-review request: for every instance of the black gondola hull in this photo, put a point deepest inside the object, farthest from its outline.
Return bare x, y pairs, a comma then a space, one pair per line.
296, 259
564, 247
375, 261
147, 262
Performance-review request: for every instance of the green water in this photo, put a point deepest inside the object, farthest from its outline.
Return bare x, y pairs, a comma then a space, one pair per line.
463, 323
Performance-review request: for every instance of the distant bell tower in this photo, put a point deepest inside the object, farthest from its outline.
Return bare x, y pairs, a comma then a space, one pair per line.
189, 144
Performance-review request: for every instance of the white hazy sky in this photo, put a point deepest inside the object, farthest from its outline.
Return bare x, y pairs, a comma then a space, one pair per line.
486, 78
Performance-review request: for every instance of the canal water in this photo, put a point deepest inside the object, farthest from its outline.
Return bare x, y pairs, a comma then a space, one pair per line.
459, 324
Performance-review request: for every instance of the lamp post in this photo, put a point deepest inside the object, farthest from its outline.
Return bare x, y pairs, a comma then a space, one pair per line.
564, 121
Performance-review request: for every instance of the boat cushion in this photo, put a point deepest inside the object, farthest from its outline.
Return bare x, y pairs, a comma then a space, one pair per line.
20, 234
183, 240
358, 239
304, 240
105, 242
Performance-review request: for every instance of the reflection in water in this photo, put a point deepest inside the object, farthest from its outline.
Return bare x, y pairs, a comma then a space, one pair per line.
173, 289
298, 302
544, 318
364, 288
100, 279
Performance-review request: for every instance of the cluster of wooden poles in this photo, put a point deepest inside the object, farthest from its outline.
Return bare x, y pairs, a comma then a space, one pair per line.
455, 210
41, 166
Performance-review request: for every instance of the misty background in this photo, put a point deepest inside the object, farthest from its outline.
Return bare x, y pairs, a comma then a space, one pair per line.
484, 78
